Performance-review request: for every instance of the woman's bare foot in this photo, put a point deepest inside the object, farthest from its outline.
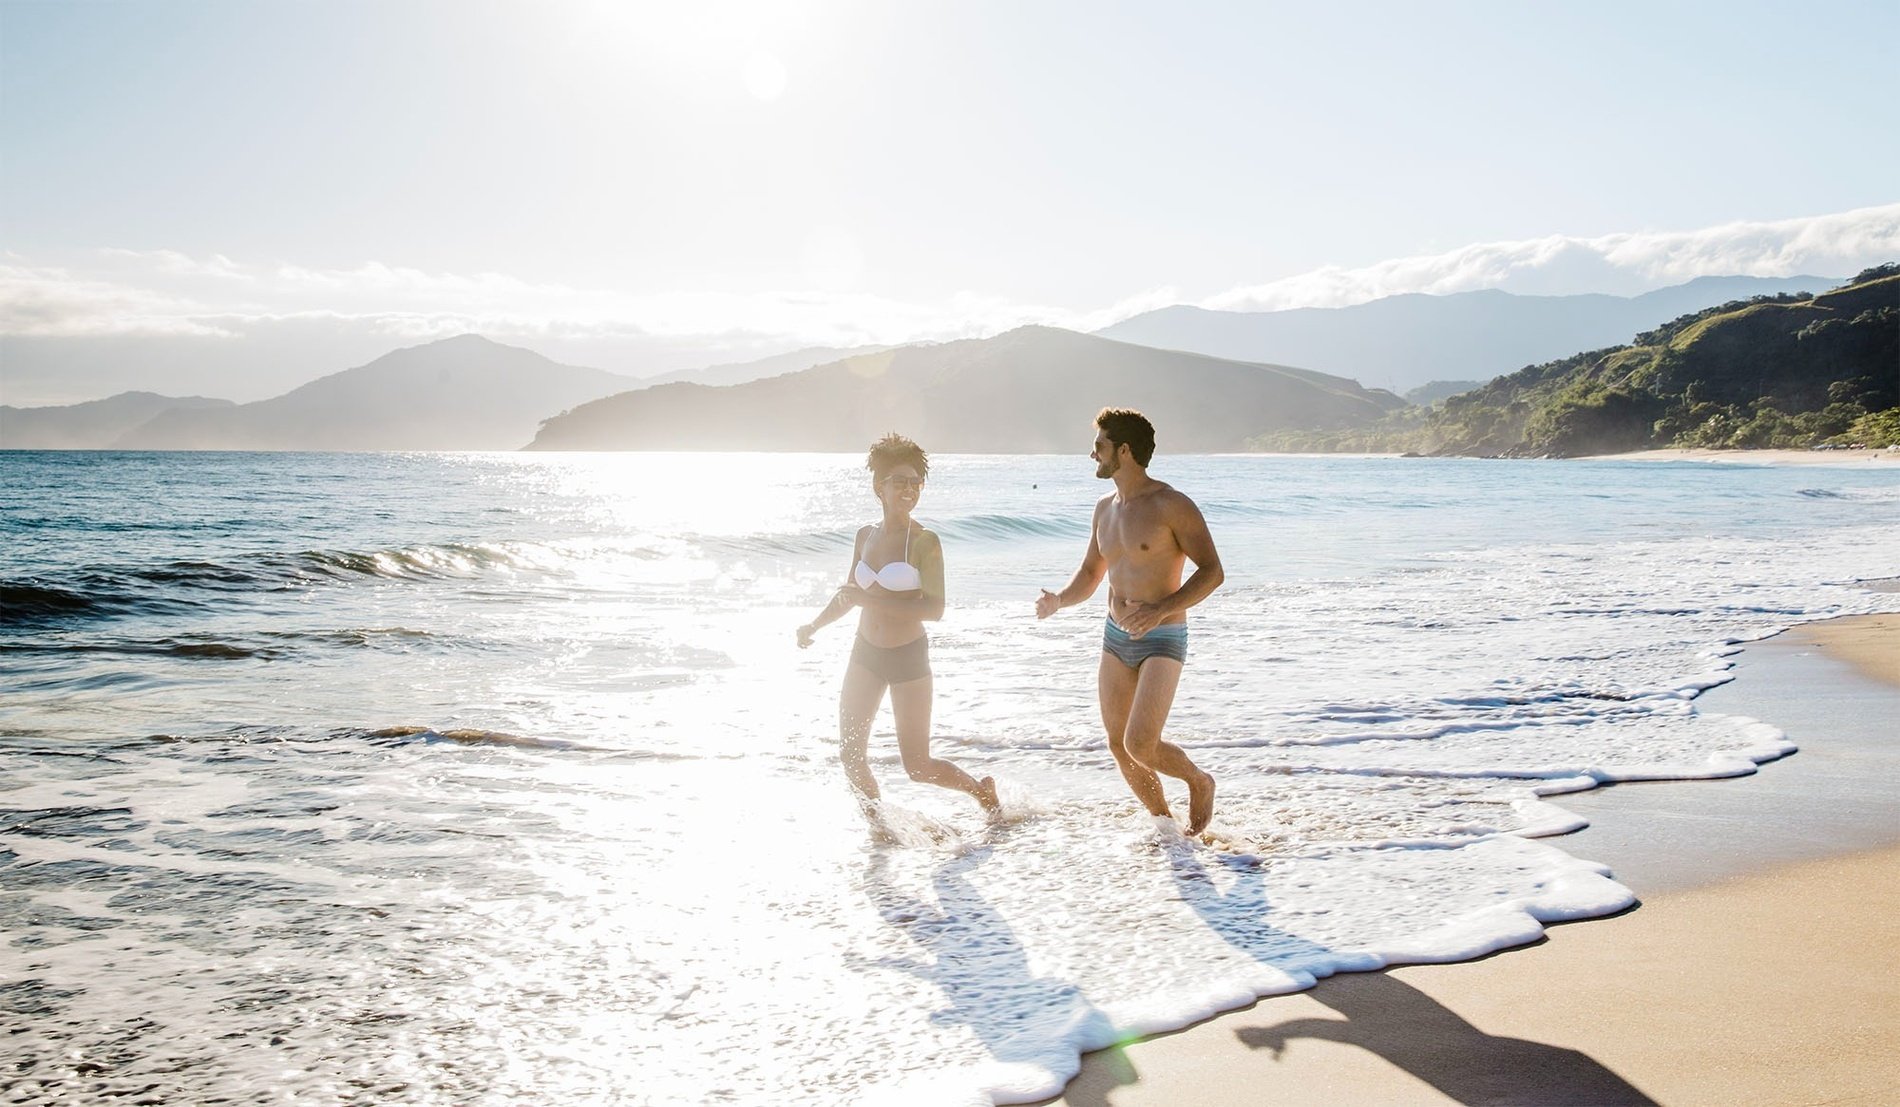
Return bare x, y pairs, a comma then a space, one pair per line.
1200, 802
986, 795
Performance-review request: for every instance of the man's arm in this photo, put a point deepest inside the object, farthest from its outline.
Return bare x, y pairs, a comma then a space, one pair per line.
1086, 580
1190, 531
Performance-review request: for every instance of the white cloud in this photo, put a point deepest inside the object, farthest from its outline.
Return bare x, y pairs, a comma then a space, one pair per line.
177, 264
1837, 245
54, 303
164, 292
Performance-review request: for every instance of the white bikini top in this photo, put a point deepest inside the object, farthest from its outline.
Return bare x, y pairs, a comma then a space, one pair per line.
898, 576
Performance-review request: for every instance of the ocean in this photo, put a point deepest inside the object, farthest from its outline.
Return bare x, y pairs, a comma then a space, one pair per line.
497, 778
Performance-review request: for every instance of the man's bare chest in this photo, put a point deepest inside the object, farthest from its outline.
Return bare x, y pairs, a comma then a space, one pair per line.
1134, 533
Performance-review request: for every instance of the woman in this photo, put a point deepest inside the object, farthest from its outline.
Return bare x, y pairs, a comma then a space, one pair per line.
896, 581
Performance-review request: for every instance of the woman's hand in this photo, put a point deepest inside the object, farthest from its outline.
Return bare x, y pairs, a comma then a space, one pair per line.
804, 636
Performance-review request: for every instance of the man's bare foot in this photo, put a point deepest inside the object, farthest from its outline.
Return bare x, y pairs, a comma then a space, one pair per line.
1200, 802
986, 795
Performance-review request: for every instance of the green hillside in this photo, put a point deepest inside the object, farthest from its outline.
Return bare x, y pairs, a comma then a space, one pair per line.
1791, 370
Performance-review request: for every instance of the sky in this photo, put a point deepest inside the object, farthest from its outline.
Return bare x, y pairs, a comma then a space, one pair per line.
230, 198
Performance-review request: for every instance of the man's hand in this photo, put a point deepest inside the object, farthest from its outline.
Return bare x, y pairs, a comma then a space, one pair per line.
1271, 1038
1140, 618
1047, 604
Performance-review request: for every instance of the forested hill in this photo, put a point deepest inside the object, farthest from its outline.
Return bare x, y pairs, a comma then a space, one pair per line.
1790, 370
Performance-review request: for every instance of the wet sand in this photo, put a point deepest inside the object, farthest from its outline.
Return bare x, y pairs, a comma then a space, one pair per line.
1755, 969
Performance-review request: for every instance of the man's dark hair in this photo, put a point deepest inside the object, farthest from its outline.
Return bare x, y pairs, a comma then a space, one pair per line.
1127, 427
892, 450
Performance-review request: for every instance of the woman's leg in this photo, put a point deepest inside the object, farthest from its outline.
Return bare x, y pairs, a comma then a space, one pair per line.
910, 703
857, 705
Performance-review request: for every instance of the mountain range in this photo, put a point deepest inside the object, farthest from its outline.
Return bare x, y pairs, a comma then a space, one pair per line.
1403, 342
1031, 390
463, 393
742, 372
92, 425
1024, 390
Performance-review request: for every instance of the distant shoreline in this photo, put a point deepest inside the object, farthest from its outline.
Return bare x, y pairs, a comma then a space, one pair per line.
1757, 457
1836, 458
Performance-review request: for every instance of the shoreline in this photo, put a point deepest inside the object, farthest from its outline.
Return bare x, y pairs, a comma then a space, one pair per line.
1835, 795
1771, 895
1835, 458
1760, 990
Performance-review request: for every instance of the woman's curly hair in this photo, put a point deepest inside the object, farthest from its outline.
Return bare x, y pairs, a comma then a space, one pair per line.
892, 450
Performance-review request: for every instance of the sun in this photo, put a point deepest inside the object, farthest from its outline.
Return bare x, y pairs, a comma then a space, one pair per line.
764, 76
747, 41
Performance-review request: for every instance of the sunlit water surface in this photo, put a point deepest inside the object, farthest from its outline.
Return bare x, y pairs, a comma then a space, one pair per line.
227, 874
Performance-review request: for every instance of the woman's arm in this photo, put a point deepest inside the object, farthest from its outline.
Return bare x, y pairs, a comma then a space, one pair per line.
841, 602
844, 599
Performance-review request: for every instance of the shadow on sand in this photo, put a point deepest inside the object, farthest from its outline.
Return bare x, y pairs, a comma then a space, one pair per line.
1383, 1015
1429, 1040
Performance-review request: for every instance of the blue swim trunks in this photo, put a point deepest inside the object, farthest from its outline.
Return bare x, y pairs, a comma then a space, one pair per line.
1167, 640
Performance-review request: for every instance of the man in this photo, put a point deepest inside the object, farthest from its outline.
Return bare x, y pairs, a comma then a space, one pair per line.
1143, 534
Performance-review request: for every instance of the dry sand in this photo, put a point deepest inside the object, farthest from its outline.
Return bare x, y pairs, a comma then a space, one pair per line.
1762, 457
1870, 644
1772, 987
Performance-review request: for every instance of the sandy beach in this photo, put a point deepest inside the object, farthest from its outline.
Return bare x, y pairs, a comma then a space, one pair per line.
1752, 970
1870, 644
1887, 456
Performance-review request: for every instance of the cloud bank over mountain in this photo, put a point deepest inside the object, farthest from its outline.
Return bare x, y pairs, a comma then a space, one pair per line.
1627, 264
80, 327
167, 293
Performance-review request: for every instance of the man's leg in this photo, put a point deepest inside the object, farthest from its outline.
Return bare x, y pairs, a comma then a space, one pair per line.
1115, 683
1155, 683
